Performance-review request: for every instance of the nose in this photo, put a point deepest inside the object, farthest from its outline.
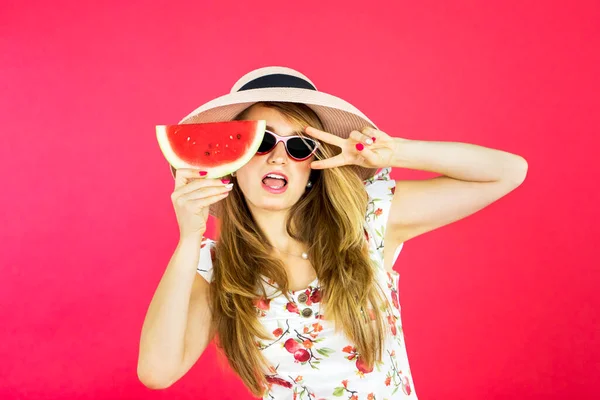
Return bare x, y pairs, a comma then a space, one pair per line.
278, 155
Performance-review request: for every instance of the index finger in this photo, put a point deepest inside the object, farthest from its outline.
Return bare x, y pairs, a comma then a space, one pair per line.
185, 175
336, 161
324, 136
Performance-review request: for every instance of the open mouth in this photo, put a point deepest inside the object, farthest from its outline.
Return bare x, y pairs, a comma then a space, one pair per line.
274, 181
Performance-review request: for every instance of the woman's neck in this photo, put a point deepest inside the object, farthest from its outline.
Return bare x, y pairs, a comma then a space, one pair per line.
272, 224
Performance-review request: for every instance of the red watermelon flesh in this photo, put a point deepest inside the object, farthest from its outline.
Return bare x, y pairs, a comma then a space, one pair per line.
219, 148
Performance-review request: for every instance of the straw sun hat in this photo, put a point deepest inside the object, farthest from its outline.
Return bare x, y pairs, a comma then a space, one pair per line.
284, 84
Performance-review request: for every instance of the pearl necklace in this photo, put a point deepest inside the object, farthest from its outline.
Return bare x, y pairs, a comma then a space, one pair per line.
304, 255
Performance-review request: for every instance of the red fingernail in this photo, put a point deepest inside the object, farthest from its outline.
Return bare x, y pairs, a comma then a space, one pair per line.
373, 139
203, 173
225, 181
359, 146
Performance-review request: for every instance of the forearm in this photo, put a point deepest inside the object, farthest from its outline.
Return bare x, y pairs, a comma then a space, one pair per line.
162, 342
462, 161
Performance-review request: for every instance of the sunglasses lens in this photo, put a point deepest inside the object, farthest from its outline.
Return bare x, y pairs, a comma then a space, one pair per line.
267, 144
300, 147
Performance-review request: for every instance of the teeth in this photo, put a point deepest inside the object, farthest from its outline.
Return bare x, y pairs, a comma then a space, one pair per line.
275, 176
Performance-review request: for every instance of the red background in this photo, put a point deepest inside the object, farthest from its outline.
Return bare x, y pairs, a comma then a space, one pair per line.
503, 304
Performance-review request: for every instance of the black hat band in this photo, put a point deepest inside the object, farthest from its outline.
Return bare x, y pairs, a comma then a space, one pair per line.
277, 80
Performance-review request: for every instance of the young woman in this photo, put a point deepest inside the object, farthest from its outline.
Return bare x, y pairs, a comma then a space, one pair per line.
299, 290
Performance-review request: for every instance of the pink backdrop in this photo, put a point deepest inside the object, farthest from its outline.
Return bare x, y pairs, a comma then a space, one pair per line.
501, 305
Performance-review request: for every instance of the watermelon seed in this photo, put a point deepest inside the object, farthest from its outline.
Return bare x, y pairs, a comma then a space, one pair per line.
239, 136
206, 153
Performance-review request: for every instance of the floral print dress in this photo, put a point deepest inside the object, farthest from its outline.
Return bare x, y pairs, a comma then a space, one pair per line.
308, 359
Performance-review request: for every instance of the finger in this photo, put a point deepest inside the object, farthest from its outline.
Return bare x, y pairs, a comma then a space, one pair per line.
199, 183
207, 192
332, 162
369, 156
360, 137
371, 132
208, 201
324, 136
185, 175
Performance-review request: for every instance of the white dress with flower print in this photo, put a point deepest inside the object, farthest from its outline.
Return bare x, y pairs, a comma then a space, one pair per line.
308, 359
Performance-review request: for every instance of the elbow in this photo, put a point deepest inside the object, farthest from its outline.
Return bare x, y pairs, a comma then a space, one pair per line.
152, 379
518, 172
523, 167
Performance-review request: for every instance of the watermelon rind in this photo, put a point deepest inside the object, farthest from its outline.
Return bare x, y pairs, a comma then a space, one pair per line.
212, 172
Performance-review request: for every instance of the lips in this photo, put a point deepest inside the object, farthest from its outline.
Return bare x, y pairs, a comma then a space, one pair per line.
276, 173
275, 182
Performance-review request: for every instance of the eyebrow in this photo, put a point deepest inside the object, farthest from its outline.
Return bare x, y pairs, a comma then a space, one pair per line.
300, 133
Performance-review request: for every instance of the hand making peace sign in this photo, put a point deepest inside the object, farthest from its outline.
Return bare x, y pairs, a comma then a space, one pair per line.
369, 148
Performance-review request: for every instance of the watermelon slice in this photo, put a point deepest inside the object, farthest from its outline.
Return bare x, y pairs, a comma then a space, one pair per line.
219, 148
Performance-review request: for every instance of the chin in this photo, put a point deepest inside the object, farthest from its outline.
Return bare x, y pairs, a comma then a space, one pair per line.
277, 203
261, 199
274, 208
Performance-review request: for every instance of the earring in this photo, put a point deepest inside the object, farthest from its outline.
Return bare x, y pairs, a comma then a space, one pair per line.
309, 184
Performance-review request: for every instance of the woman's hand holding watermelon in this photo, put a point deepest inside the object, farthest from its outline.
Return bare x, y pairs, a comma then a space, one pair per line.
192, 197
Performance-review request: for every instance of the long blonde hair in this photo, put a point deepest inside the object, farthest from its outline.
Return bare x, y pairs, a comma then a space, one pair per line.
329, 219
